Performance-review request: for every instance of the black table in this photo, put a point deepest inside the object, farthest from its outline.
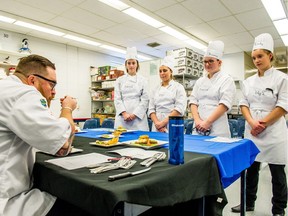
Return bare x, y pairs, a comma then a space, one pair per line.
163, 185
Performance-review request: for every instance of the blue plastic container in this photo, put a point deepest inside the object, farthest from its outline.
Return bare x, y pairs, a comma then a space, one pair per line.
176, 140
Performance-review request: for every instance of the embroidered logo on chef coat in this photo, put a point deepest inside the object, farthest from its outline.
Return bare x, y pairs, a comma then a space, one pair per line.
43, 102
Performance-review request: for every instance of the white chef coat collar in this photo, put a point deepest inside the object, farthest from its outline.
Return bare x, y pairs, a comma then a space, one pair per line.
170, 83
268, 72
132, 78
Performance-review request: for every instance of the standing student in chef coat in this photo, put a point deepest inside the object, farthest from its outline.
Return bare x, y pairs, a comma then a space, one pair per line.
131, 96
26, 123
212, 95
167, 99
264, 105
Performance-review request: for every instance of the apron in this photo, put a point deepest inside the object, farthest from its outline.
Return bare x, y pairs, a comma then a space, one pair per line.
208, 97
131, 91
262, 95
166, 100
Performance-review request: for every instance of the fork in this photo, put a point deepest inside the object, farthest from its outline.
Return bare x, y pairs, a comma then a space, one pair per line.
157, 157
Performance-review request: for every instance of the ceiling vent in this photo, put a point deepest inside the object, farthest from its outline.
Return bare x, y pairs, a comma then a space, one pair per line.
153, 44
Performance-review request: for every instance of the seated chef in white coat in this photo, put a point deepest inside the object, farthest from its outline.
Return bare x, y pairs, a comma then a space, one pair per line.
167, 99
26, 123
212, 95
131, 96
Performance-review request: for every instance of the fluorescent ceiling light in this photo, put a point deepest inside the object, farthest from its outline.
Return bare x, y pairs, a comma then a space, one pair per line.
6, 19
115, 4
274, 8
174, 33
143, 17
196, 44
39, 28
285, 39
113, 49
82, 40
281, 26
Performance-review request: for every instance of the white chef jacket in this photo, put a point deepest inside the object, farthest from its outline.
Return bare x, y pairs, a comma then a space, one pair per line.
164, 100
261, 95
131, 95
25, 122
208, 94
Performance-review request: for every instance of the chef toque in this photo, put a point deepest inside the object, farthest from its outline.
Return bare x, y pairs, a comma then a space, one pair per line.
131, 53
169, 62
264, 41
215, 49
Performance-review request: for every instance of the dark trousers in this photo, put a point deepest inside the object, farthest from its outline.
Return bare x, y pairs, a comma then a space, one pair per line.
279, 186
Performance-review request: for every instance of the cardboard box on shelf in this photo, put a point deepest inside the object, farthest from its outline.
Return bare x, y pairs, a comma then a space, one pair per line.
183, 61
115, 73
181, 52
182, 70
101, 77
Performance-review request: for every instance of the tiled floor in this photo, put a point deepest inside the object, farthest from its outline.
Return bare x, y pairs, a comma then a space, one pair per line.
263, 203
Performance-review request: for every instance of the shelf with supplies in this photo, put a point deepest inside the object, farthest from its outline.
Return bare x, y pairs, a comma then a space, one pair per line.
103, 80
8, 62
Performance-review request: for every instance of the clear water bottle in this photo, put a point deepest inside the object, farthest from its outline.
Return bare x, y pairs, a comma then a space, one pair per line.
176, 140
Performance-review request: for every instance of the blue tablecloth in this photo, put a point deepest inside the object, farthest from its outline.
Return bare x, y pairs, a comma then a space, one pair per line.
232, 158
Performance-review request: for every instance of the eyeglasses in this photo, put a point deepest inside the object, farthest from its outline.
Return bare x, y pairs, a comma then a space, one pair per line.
210, 61
205, 133
52, 82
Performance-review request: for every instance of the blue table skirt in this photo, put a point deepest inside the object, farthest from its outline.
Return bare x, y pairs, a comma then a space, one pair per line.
232, 158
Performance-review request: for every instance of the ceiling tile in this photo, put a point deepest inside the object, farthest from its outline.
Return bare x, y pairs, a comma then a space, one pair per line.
73, 26
207, 10
87, 18
251, 19
242, 6
203, 31
52, 6
154, 5
227, 25
105, 11
181, 17
26, 11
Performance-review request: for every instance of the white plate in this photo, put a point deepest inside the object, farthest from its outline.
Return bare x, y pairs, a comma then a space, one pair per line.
132, 143
108, 136
105, 145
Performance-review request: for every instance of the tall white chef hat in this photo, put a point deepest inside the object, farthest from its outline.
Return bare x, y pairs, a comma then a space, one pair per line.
264, 41
169, 61
215, 49
131, 53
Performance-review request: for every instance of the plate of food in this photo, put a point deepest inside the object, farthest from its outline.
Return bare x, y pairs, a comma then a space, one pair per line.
110, 136
107, 143
120, 130
144, 141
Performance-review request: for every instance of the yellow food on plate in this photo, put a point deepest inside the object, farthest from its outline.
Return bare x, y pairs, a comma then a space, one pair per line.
121, 129
145, 140
108, 142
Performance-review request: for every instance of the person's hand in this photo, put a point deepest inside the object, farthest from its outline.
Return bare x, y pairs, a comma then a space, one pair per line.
258, 128
203, 126
68, 101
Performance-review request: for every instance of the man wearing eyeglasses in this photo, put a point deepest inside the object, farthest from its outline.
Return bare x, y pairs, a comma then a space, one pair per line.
26, 122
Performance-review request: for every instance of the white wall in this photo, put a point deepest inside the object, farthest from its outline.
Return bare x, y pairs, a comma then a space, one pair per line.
234, 65
72, 66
